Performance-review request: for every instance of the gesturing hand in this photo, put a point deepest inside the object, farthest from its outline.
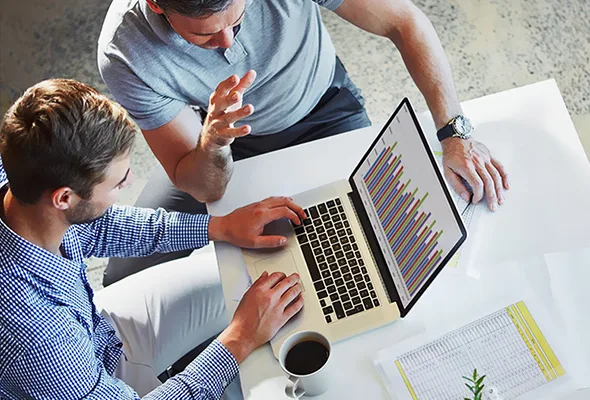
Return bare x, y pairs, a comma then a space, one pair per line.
473, 162
269, 303
225, 108
244, 226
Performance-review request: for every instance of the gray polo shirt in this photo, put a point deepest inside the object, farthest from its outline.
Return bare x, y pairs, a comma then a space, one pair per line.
154, 73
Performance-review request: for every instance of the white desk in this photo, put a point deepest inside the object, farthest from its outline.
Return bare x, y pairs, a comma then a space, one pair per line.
547, 210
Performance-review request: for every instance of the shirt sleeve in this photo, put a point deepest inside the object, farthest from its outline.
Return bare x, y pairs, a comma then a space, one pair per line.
139, 232
3, 178
65, 367
149, 109
329, 4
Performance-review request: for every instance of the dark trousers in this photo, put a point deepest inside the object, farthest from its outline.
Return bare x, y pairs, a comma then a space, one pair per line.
341, 109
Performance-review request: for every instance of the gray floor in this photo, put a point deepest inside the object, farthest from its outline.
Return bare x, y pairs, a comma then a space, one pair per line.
493, 45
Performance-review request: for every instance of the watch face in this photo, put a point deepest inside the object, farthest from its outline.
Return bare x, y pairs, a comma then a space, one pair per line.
462, 126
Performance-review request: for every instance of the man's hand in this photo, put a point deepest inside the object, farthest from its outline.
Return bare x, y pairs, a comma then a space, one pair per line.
269, 303
225, 108
244, 226
472, 161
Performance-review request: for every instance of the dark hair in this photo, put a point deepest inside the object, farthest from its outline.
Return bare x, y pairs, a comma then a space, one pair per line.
62, 133
193, 8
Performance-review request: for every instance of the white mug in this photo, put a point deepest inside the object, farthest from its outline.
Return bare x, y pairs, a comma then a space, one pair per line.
311, 384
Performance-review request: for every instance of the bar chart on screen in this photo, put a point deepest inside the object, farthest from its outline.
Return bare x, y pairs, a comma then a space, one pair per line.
411, 231
415, 222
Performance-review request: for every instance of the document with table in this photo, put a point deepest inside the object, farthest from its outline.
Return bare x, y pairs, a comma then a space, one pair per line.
507, 346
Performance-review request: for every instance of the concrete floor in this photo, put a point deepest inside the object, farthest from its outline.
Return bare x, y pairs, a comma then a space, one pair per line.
493, 45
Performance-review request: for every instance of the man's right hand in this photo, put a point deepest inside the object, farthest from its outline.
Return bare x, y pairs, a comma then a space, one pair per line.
270, 302
225, 108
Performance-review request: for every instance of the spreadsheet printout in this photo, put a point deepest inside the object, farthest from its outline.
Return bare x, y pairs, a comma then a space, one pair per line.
507, 346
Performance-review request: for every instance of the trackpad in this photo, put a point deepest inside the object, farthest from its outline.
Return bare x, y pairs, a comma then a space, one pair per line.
281, 262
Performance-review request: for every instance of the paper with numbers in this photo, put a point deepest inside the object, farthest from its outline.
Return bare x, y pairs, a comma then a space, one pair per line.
507, 346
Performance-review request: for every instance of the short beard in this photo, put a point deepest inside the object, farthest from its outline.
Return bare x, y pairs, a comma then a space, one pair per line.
84, 213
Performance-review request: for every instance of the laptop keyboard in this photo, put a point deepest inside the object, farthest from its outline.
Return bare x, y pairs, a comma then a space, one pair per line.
335, 264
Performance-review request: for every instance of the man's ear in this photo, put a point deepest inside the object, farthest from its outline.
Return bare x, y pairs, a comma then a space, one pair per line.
64, 198
155, 7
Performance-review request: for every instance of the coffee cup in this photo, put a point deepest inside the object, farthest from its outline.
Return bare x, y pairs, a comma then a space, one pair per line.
304, 357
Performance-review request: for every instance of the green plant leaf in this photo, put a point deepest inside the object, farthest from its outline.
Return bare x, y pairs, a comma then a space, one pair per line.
479, 389
475, 374
468, 379
480, 380
470, 388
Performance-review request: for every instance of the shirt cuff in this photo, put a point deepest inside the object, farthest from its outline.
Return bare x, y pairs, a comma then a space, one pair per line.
188, 231
215, 368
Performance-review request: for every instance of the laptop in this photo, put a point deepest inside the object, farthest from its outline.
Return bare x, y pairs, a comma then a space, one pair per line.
372, 244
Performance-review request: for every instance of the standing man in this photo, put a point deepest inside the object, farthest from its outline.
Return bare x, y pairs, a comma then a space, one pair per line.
64, 159
162, 59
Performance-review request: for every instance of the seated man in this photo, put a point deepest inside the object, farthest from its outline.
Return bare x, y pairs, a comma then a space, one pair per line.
65, 157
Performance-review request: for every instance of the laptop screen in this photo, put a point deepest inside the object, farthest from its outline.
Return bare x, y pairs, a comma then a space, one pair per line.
408, 205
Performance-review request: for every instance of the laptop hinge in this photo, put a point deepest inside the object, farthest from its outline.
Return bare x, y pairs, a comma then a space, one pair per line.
371, 240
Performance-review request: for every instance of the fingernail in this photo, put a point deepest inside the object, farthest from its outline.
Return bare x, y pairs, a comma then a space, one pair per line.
494, 207
283, 241
465, 197
234, 97
501, 200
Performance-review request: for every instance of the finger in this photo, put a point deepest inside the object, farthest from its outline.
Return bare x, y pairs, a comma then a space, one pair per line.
230, 133
502, 172
235, 116
283, 286
225, 86
471, 176
497, 182
281, 212
268, 242
223, 104
277, 201
271, 280
246, 81
291, 294
489, 187
457, 185
294, 308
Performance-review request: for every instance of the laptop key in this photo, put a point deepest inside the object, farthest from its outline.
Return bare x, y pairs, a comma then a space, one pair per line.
339, 310
323, 266
336, 218
320, 229
322, 294
314, 212
345, 297
302, 239
328, 310
322, 208
332, 289
333, 211
349, 231
344, 240
358, 254
367, 278
367, 303
358, 278
312, 236
309, 229
329, 281
323, 303
355, 247
342, 290
355, 310
340, 209
355, 270
352, 239
338, 225
347, 305
346, 224
348, 278
325, 244
364, 270
334, 297
346, 247
341, 233
336, 246
376, 303
353, 262
307, 222
342, 262
370, 286
350, 285
328, 225
345, 270
317, 222
331, 259
334, 267
373, 294
338, 201
339, 254
364, 293
325, 217
315, 243
317, 251
361, 262
314, 272
361, 285
319, 285
353, 293
323, 237
330, 203
326, 273
337, 275
328, 319
339, 282
321, 259
299, 230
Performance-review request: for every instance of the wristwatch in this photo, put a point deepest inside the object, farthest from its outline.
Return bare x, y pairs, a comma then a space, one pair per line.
460, 127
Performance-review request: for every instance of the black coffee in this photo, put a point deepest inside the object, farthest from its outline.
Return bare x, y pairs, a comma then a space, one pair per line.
306, 357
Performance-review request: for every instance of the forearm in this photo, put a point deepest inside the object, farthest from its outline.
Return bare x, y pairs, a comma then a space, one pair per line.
427, 63
205, 172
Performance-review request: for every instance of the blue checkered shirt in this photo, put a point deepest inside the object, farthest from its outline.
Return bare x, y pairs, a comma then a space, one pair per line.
54, 344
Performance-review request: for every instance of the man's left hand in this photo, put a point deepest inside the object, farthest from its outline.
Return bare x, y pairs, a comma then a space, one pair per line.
244, 226
472, 161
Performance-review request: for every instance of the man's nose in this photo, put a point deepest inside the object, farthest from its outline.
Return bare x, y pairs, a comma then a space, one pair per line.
225, 38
